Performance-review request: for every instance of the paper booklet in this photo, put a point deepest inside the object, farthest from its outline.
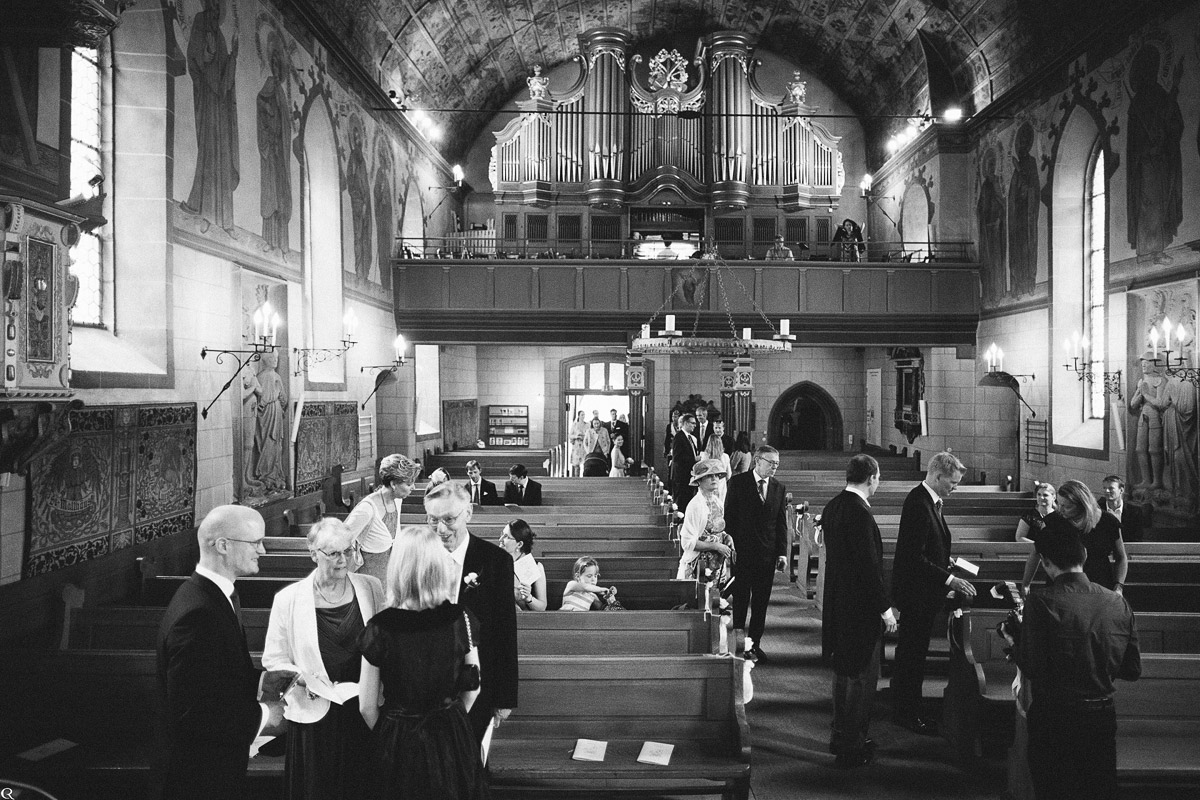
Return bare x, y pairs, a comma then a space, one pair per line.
966, 566
589, 750
656, 753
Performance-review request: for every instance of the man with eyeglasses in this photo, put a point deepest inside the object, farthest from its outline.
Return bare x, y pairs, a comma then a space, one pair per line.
207, 684
484, 584
756, 518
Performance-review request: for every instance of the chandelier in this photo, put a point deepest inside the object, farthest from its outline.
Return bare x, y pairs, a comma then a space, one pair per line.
710, 268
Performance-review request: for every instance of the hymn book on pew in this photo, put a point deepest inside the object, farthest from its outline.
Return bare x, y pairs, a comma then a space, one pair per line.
656, 753
589, 750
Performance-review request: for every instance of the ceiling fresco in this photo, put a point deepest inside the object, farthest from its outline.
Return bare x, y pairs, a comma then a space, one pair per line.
472, 55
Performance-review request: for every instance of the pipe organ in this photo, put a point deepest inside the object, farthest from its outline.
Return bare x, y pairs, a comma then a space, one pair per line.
702, 132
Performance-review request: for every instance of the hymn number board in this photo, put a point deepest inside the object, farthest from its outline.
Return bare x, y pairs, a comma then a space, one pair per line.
508, 426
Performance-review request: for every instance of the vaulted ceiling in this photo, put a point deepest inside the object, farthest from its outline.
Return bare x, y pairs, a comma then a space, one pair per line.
879, 55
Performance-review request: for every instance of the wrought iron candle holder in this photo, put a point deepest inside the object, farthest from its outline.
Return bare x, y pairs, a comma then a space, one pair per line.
244, 358
307, 356
384, 371
1084, 372
1176, 367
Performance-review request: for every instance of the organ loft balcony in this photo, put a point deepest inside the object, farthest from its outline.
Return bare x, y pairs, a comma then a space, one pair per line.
477, 288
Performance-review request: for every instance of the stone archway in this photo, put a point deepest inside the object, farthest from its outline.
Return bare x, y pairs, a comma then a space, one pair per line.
805, 417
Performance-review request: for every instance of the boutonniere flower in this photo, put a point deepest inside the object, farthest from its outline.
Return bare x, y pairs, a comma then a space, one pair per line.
471, 580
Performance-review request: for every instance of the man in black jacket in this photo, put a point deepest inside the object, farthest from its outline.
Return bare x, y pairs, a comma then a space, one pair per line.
484, 585
1133, 523
1075, 638
208, 687
921, 583
521, 490
756, 519
684, 452
856, 610
481, 490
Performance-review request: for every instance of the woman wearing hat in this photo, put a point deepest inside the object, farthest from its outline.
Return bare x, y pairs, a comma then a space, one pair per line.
703, 541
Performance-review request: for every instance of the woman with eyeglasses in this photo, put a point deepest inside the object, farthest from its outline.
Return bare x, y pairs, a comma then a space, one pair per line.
374, 520
314, 629
529, 576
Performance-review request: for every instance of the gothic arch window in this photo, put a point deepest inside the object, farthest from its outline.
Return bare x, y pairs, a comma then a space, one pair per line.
1078, 277
322, 209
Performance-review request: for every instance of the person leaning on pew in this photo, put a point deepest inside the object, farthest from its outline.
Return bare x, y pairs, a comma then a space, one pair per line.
1080, 516
207, 684
1075, 638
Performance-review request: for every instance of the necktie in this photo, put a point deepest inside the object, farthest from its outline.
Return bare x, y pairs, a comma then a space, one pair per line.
474, 493
237, 607
762, 489
521, 492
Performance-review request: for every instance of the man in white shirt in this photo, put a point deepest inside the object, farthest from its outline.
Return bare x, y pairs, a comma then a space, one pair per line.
481, 490
1133, 522
485, 586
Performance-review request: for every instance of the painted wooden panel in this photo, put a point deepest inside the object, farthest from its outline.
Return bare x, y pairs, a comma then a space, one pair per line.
823, 291
956, 291
739, 300
601, 288
514, 288
866, 291
557, 288
908, 292
781, 290
420, 286
646, 288
470, 287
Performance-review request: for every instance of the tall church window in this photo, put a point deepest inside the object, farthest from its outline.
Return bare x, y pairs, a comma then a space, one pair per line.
87, 164
1095, 270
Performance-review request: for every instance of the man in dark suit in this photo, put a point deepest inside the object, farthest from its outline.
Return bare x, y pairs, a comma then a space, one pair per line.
921, 583
522, 490
485, 586
481, 490
1133, 522
208, 687
704, 427
684, 451
756, 519
856, 610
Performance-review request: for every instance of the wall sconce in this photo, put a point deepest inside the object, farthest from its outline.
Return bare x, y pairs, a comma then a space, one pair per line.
1076, 346
307, 356
266, 328
996, 376
1176, 367
387, 371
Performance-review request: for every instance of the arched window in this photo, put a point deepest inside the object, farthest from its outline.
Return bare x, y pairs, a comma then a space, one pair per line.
1096, 272
1078, 276
89, 161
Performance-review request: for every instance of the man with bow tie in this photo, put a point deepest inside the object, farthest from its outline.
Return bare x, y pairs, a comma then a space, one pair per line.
484, 584
756, 518
922, 581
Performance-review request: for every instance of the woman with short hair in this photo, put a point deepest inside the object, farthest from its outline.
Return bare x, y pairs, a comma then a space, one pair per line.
375, 519
314, 629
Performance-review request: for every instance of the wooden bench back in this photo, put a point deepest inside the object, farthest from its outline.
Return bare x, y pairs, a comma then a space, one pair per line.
543, 547
617, 697
545, 633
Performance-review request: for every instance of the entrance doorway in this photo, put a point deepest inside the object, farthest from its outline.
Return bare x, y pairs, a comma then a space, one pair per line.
806, 417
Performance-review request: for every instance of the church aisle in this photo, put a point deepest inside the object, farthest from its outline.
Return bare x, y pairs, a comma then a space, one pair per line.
789, 726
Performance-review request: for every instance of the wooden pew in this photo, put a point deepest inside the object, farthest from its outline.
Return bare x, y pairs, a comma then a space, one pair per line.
547, 546
545, 633
544, 517
259, 592
617, 568
691, 702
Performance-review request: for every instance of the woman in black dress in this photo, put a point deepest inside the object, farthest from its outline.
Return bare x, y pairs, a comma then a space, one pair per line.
1033, 521
314, 629
420, 675
1079, 515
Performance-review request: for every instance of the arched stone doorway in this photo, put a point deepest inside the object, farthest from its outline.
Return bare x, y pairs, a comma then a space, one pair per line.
805, 417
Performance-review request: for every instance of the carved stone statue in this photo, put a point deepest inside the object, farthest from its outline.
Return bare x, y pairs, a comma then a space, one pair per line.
1147, 402
266, 396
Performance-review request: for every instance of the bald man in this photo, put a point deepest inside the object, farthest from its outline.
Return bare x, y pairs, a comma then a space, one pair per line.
208, 687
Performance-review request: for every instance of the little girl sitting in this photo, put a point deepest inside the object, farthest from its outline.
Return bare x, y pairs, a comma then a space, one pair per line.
584, 593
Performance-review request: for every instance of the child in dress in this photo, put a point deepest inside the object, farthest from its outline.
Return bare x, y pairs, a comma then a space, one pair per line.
584, 593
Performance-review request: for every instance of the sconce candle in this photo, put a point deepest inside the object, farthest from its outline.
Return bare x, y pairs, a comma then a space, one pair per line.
400, 346
1154, 342
1166, 326
349, 325
274, 327
646, 331
999, 360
